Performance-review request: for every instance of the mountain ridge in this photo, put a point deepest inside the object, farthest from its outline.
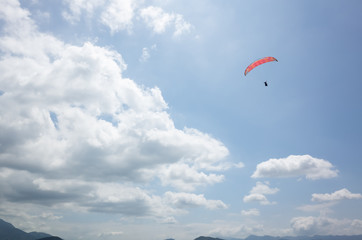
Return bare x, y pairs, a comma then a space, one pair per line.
9, 232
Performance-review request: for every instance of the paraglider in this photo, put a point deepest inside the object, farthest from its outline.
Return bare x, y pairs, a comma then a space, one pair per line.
259, 62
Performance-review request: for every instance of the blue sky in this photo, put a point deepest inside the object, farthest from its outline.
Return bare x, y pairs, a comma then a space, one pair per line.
133, 119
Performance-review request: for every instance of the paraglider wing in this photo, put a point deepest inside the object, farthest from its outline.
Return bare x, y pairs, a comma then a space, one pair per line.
259, 62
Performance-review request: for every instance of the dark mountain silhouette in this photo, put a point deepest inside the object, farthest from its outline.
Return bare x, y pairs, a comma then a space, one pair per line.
39, 235
207, 238
50, 238
9, 232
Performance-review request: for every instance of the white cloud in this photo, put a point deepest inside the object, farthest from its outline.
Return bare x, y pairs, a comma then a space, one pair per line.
102, 235
186, 178
121, 15
77, 134
168, 220
130, 201
250, 212
159, 20
336, 196
257, 197
257, 194
181, 26
156, 18
263, 188
187, 200
77, 7
239, 165
328, 201
295, 166
94, 196
326, 226
236, 230
118, 15
145, 55
323, 208
50, 216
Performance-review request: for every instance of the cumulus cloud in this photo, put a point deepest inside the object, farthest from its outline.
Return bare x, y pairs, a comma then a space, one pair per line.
158, 20
250, 212
257, 197
296, 166
257, 194
121, 15
263, 188
79, 7
236, 230
181, 26
327, 201
336, 196
187, 200
146, 53
118, 15
322, 208
326, 226
186, 178
76, 133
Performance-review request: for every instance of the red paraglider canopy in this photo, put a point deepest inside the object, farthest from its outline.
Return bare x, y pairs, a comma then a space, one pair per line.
259, 62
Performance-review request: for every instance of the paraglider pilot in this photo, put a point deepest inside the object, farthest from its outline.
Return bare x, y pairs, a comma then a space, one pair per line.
266, 84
